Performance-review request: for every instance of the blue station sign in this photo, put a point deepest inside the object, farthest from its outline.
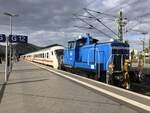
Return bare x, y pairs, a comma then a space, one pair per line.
2, 37
18, 39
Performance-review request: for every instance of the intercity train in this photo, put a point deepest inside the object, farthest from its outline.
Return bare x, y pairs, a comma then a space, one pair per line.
48, 56
108, 61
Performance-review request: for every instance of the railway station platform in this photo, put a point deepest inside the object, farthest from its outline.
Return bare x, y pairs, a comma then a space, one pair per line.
31, 89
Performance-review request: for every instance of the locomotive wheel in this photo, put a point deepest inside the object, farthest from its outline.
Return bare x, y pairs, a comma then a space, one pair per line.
111, 81
141, 77
128, 85
96, 77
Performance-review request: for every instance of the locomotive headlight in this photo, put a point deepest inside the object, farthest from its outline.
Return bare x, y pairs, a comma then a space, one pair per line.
111, 66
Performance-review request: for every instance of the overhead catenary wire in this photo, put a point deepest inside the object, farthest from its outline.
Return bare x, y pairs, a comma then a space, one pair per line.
98, 19
91, 26
141, 16
132, 27
107, 15
124, 2
93, 1
115, 7
81, 8
88, 4
84, 16
139, 31
91, 17
101, 22
121, 5
100, 12
83, 27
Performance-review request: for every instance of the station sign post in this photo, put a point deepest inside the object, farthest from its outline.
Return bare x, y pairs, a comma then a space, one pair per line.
18, 39
2, 37
11, 39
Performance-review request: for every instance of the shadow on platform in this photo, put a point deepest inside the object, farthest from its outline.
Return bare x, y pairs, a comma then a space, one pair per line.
26, 81
2, 90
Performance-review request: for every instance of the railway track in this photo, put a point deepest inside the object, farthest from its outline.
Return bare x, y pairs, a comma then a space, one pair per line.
142, 88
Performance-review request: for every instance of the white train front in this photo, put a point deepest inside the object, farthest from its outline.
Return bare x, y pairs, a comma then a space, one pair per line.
49, 56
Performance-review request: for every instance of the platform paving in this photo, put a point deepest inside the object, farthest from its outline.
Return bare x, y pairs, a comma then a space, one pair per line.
31, 89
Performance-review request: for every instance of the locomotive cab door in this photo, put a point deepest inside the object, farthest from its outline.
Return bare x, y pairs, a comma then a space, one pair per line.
99, 61
69, 54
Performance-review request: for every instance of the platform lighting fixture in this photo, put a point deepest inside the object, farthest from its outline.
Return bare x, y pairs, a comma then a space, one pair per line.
6, 57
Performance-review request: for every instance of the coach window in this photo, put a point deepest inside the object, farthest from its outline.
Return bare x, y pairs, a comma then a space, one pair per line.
47, 55
52, 52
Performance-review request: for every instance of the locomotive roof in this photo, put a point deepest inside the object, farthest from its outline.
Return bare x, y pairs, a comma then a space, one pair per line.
94, 40
115, 43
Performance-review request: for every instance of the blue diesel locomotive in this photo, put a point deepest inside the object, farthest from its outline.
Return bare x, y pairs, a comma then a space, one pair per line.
108, 60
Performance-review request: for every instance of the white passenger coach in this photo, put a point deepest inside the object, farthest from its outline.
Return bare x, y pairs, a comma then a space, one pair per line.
49, 56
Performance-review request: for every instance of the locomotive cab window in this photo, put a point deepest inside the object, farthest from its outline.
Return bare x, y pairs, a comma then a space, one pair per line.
71, 44
81, 42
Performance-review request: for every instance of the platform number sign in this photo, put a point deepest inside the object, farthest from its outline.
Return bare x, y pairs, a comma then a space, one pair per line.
18, 39
2, 37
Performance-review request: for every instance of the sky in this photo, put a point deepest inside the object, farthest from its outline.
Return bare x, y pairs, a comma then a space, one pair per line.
48, 22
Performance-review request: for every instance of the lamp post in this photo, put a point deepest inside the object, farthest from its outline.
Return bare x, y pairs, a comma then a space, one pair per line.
143, 42
6, 57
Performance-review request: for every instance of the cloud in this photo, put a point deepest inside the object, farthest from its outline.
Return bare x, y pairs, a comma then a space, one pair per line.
51, 21
52, 37
110, 3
